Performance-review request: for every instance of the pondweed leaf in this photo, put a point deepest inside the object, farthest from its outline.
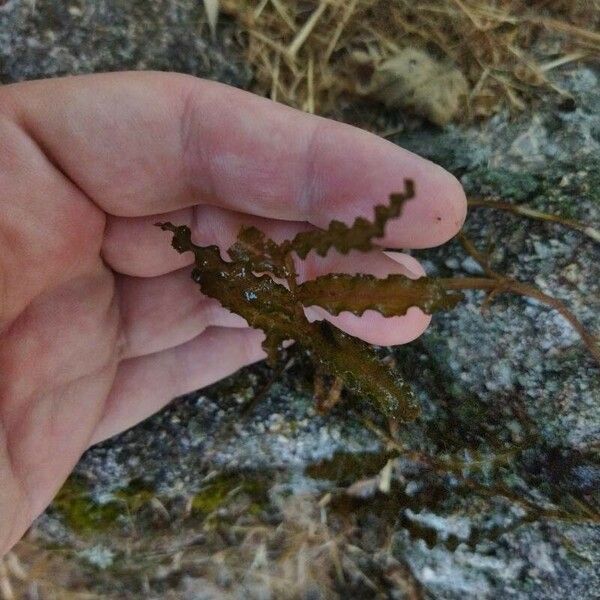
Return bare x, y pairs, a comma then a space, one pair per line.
246, 285
392, 296
359, 236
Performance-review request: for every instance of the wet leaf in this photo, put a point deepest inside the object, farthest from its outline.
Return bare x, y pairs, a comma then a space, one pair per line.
391, 296
359, 236
258, 253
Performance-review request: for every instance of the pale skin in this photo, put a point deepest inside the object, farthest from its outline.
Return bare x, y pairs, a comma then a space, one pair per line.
100, 325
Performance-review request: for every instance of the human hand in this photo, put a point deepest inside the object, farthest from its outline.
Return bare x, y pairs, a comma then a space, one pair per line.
100, 325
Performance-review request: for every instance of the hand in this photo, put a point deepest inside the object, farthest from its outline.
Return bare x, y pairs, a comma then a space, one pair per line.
100, 325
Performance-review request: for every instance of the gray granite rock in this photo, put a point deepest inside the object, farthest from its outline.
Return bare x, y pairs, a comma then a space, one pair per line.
43, 38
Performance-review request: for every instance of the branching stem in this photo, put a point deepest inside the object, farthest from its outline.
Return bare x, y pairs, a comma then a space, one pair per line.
496, 283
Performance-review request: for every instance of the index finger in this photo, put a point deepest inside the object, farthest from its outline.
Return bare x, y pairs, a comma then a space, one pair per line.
140, 144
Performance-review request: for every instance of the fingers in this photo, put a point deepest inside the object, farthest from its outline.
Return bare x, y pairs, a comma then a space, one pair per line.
134, 246
62, 336
158, 313
43, 446
162, 312
49, 231
144, 385
148, 143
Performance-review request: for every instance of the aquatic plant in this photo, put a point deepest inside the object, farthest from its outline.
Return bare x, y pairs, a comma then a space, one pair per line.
249, 285
259, 282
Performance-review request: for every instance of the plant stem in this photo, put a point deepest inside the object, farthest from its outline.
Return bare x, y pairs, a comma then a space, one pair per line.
496, 283
524, 211
505, 284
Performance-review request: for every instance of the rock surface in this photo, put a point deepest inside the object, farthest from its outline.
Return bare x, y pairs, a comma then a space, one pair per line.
495, 494
41, 38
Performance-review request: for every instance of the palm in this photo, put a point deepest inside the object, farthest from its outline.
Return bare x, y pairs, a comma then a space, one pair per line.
99, 324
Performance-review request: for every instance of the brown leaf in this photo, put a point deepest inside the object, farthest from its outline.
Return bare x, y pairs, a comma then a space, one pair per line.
391, 296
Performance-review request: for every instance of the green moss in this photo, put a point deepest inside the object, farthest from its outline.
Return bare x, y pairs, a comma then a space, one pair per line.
80, 512
239, 387
222, 489
471, 410
566, 190
84, 515
212, 497
136, 495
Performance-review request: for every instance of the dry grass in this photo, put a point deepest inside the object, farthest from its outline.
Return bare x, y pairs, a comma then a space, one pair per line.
303, 555
299, 556
307, 557
30, 572
311, 53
